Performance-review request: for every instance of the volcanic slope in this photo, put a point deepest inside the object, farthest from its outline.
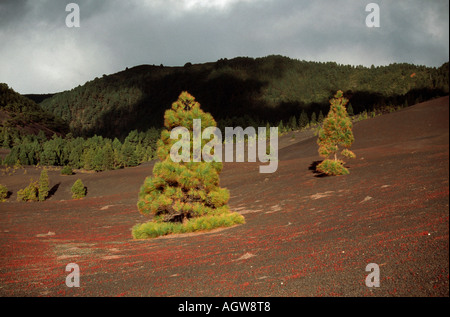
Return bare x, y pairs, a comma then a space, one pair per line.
304, 235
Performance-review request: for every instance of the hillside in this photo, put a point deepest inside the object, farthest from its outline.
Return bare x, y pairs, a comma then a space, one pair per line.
20, 115
304, 235
241, 91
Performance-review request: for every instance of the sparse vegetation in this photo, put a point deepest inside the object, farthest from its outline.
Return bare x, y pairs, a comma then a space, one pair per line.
29, 193
3, 193
78, 190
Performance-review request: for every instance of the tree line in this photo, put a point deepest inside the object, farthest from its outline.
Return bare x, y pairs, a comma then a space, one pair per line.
267, 89
95, 153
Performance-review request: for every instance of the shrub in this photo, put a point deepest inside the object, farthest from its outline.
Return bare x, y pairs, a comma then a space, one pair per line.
66, 170
336, 132
332, 167
44, 185
29, 193
78, 189
3, 193
154, 229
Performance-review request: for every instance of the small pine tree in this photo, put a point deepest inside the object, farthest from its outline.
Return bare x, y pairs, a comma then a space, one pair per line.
313, 118
336, 131
3, 193
320, 117
108, 157
350, 110
44, 184
281, 128
303, 121
29, 193
78, 189
293, 123
179, 191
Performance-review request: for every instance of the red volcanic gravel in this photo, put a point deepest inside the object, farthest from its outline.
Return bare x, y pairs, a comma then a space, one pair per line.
304, 235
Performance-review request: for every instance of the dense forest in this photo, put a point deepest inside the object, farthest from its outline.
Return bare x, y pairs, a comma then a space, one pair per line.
38, 137
95, 153
114, 121
241, 91
21, 115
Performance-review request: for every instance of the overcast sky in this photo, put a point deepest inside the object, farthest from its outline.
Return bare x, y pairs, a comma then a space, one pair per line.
40, 54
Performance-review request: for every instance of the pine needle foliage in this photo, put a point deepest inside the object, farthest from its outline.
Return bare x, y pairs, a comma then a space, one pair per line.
3, 193
78, 189
29, 193
180, 191
44, 185
155, 229
66, 170
336, 134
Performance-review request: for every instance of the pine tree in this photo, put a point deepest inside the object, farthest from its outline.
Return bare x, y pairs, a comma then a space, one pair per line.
293, 123
3, 193
320, 117
108, 157
350, 110
29, 193
313, 118
303, 121
179, 191
88, 158
281, 128
44, 185
335, 132
128, 154
78, 189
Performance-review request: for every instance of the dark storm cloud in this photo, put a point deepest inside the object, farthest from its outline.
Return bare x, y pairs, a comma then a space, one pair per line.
43, 55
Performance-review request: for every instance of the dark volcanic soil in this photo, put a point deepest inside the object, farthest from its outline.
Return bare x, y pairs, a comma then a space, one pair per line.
304, 235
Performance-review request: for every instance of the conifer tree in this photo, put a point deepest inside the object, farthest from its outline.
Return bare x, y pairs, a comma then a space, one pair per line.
29, 193
320, 117
281, 128
336, 132
303, 121
350, 110
293, 123
179, 191
313, 118
44, 185
3, 193
108, 157
78, 189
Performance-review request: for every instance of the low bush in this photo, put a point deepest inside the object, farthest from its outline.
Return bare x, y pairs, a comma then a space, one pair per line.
155, 229
29, 193
3, 193
66, 170
332, 167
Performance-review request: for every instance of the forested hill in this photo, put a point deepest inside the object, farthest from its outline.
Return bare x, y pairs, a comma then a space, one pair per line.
21, 115
240, 91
